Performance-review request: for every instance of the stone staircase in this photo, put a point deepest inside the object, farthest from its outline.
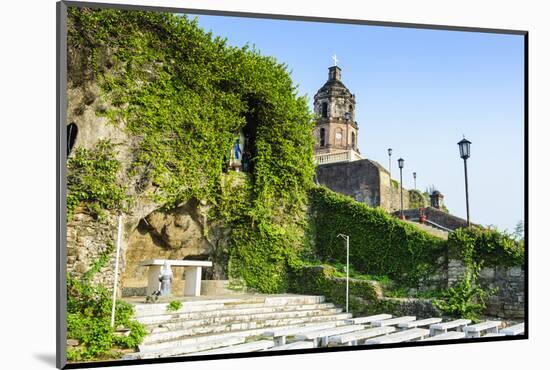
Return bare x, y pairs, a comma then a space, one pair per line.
208, 323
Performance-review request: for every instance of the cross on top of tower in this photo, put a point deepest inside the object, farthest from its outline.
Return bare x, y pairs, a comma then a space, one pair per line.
335, 60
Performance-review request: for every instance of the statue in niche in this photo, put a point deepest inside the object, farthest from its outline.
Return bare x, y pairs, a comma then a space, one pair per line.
236, 156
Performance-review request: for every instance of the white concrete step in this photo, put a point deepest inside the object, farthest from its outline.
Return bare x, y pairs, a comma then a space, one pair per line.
293, 345
361, 335
320, 337
187, 348
190, 340
259, 345
420, 323
443, 327
198, 305
171, 335
446, 336
394, 321
369, 319
176, 322
514, 330
194, 315
475, 331
401, 336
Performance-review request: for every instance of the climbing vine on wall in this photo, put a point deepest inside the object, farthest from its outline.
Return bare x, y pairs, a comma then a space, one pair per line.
379, 243
183, 94
92, 180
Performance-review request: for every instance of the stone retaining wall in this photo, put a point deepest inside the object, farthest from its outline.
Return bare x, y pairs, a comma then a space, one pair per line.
509, 300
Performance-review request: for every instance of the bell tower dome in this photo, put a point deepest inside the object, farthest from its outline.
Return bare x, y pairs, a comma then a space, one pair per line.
336, 128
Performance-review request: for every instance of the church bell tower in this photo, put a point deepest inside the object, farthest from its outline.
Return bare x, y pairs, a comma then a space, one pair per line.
336, 128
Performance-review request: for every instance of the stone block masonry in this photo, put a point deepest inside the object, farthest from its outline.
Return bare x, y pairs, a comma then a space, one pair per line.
87, 240
509, 300
365, 181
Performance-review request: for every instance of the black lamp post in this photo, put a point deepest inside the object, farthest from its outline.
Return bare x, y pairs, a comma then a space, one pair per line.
414, 177
464, 147
391, 185
389, 157
401, 163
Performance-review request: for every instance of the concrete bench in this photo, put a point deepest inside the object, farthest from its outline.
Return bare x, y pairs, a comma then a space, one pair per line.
514, 330
395, 321
353, 338
193, 271
279, 335
259, 345
446, 336
493, 335
474, 331
320, 337
409, 335
419, 323
368, 319
293, 345
441, 328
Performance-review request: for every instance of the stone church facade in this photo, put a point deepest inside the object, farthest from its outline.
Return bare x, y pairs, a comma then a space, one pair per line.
340, 165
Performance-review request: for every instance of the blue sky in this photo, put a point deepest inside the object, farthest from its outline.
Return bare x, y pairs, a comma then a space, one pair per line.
417, 91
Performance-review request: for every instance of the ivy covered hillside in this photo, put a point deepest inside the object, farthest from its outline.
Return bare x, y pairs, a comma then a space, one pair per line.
182, 95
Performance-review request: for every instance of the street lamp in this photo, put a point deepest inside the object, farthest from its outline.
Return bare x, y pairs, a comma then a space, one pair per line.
346, 237
464, 147
401, 163
414, 177
389, 157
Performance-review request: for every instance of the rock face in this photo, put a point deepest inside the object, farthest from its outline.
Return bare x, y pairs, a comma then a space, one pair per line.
177, 229
183, 232
147, 232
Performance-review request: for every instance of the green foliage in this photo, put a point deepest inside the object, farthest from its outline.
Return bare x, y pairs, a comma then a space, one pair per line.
518, 233
487, 246
184, 94
416, 199
324, 280
89, 314
466, 299
379, 243
92, 179
174, 306
476, 247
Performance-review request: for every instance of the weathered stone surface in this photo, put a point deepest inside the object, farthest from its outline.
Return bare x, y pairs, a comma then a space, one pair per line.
184, 232
364, 180
72, 342
421, 308
508, 301
178, 228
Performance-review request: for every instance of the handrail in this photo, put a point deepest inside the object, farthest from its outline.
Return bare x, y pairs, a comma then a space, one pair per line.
343, 156
436, 225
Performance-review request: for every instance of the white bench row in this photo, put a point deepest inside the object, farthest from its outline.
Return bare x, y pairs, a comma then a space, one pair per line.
385, 329
312, 336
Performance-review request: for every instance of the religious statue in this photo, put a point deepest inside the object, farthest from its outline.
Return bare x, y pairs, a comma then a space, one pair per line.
236, 157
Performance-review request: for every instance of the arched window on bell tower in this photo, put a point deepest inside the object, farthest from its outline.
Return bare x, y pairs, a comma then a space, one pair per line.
322, 137
324, 110
353, 140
